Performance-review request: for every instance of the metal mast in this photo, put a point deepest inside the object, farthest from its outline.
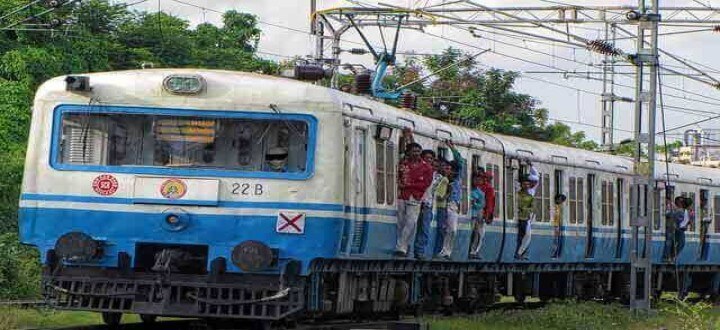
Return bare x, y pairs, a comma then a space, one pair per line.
608, 94
641, 219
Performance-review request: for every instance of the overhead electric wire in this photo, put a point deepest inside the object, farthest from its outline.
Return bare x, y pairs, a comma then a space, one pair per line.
45, 12
681, 60
19, 9
693, 111
677, 109
132, 4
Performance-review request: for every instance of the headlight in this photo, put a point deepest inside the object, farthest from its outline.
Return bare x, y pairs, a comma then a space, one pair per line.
78, 247
184, 84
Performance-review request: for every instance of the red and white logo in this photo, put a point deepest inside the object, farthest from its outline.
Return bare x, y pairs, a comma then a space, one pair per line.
105, 185
290, 223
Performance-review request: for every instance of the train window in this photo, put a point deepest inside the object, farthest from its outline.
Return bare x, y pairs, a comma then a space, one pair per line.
129, 139
580, 201
577, 200
542, 198
608, 203
390, 172
572, 199
385, 172
716, 208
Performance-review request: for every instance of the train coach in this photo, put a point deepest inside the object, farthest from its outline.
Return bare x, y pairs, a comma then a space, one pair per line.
215, 194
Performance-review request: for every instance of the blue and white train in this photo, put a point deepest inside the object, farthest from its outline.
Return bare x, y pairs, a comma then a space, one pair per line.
215, 194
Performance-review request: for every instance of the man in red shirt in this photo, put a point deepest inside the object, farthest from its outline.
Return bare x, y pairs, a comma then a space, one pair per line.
414, 177
486, 186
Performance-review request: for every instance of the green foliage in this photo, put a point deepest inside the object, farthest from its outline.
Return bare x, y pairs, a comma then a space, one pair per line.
483, 99
575, 315
19, 269
103, 37
692, 316
565, 315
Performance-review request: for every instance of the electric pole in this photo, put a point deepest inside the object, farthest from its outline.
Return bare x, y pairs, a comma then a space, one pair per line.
608, 95
642, 198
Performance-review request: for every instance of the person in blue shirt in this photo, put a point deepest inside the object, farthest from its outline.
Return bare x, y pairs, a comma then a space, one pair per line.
477, 206
448, 227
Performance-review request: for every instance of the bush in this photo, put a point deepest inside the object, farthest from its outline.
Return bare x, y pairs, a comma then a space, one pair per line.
19, 269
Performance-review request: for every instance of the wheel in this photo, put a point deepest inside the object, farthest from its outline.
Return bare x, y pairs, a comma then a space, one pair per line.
519, 297
112, 318
148, 319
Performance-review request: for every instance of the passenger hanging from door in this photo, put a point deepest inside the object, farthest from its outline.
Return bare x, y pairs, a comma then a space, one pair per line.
442, 194
448, 227
533, 176
685, 219
477, 215
422, 237
557, 223
414, 177
488, 212
677, 218
526, 216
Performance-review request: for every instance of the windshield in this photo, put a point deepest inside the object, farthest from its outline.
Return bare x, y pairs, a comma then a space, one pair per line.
114, 139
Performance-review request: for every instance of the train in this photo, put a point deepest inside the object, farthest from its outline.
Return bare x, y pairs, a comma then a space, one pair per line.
159, 192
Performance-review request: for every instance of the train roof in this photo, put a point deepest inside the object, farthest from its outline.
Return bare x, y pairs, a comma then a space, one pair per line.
230, 91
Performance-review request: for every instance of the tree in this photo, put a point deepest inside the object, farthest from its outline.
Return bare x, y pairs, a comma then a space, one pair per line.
482, 99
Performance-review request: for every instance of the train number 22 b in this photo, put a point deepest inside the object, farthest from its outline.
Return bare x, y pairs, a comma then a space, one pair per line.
247, 189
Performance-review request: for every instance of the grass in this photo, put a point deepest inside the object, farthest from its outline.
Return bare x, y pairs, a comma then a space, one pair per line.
588, 316
32, 318
568, 315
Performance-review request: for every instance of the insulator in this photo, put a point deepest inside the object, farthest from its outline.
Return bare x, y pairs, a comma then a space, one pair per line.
409, 101
602, 47
358, 51
362, 83
309, 72
716, 28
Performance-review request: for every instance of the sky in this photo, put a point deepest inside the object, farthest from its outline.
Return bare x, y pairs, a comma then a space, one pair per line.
570, 98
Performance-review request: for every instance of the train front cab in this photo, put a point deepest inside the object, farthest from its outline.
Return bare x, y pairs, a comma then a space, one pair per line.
170, 209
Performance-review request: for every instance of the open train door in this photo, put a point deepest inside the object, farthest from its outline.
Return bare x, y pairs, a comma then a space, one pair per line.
590, 213
620, 207
356, 161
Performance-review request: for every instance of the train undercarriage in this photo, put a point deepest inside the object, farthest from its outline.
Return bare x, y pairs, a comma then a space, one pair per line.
344, 288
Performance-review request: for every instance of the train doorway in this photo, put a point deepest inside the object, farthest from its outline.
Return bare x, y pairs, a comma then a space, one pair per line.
558, 191
590, 205
359, 180
620, 204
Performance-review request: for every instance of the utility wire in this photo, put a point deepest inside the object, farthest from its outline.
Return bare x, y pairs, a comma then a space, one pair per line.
45, 12
19, 9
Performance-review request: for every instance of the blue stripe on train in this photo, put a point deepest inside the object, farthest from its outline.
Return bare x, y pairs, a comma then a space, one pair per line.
121, 230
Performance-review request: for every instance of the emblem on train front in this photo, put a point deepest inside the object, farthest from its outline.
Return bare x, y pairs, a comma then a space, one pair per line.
173, 189
105, 184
